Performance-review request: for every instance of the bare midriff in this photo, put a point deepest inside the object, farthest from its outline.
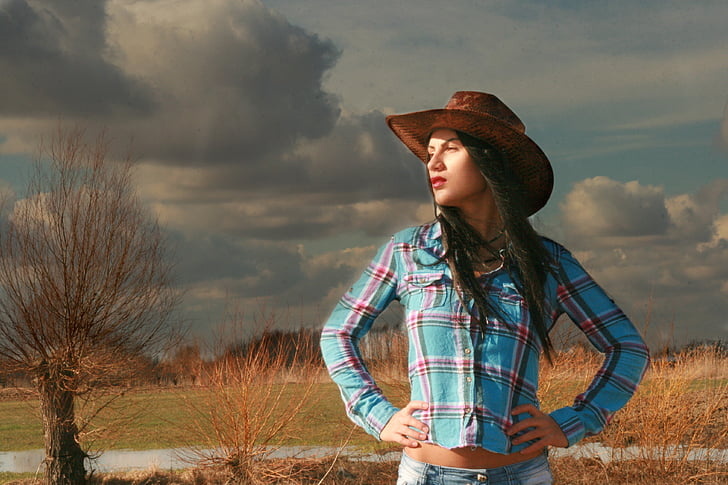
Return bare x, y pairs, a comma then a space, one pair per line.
468, 457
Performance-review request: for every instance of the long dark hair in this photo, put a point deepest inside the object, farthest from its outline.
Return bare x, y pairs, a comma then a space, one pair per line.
524, 254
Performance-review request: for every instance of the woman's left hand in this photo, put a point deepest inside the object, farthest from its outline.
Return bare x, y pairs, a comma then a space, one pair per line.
543, 429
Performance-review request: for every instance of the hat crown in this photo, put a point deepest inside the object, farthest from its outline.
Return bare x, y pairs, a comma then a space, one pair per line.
485, 104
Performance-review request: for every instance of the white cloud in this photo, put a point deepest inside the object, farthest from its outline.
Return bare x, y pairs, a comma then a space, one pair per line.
246, 148
668, 254
602, 207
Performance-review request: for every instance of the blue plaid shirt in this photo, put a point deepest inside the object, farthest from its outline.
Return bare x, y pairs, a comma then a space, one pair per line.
472, 380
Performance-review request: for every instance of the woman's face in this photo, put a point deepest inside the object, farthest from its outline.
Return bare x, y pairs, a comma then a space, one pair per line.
454, 177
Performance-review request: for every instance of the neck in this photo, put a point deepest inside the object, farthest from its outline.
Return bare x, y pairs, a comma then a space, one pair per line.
483, 215
488, 225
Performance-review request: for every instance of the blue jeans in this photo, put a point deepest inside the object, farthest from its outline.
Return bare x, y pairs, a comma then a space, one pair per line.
535, 471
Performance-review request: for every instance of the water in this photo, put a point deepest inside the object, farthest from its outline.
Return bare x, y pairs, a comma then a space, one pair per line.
168, 459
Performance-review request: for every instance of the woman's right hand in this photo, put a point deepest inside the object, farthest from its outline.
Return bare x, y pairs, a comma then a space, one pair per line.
405, 429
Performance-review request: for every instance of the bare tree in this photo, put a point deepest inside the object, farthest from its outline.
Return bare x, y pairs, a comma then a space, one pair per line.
84, 287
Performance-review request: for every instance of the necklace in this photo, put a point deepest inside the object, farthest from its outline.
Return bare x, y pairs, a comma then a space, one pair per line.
497, 236
499, 256
487, 265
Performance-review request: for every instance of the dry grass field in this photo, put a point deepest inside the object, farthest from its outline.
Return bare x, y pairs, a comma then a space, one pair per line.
680, 410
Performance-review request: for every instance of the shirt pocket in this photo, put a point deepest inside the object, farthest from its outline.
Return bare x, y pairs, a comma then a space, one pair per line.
427, 289
512, 308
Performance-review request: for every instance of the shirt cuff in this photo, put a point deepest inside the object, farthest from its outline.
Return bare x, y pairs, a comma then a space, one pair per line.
378, 418
570, 423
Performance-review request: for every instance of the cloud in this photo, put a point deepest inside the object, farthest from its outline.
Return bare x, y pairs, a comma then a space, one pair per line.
54, 59
693, 216
234, 82
222, 82
242, 152
665, 259
601, 206
357, 177
722, 137
608, 57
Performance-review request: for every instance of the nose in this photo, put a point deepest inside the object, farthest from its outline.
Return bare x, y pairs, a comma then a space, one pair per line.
435, 162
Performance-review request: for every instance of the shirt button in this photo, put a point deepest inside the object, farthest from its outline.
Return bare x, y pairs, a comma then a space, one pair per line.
467, 351
469, 379
467, 410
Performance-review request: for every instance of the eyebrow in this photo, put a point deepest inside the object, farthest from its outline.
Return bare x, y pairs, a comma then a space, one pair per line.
454, 138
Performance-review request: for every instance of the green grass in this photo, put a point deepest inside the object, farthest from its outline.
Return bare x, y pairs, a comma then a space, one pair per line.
7, 477
20, 427
159, 419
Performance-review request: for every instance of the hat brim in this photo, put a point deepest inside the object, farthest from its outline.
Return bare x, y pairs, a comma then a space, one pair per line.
526, 158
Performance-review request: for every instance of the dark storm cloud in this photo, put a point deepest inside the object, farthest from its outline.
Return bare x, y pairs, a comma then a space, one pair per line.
363, 160
359, 160
53, 62
245, 267
358, 177
235, 86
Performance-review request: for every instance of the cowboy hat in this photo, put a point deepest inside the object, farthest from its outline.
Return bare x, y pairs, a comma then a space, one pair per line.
483, 116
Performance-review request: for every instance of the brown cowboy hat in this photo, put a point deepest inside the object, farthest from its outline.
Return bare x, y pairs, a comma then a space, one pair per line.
483, 116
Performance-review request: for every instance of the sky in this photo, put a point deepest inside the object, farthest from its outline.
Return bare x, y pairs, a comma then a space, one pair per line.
258, 130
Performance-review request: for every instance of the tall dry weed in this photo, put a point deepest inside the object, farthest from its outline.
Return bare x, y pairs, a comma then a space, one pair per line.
676, 425
251, 403
386, 357
680, 414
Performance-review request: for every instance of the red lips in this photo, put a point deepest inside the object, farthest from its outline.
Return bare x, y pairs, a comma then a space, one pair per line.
437, 182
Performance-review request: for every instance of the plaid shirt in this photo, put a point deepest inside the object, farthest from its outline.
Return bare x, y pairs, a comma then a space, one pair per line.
470, 380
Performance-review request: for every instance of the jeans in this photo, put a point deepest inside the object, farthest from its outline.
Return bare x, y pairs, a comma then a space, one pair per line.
535, 471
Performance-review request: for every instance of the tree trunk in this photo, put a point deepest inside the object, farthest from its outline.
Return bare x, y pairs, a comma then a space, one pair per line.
64, 456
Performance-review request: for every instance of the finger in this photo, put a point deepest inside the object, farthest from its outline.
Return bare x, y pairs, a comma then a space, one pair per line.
523, 425
518, 427
404, 440
533, 448
412, 423
527, 408
413, 406
408, 436
531, 435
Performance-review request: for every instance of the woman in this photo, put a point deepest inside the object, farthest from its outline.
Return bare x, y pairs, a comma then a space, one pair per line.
481, 291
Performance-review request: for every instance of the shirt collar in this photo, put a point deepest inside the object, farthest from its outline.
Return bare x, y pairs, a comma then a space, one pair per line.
430, 239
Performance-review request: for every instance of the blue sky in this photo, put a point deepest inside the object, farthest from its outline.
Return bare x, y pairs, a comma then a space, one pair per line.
259, 129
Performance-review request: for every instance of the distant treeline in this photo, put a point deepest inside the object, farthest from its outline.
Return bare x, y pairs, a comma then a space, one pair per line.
190, 363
